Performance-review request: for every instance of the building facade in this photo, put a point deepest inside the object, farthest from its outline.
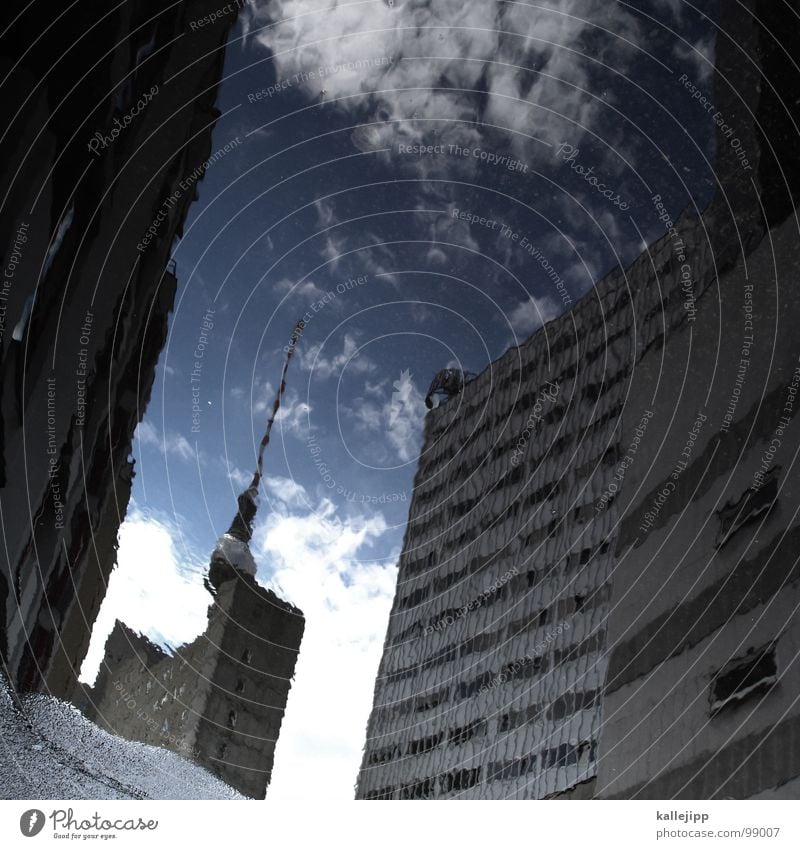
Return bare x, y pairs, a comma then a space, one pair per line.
110, 114
596, 595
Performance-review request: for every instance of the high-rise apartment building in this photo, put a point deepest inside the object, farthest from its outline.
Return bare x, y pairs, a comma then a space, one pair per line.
597, 594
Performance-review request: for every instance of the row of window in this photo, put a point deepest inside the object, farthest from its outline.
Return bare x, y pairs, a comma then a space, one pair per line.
615, 301
444, 582
564, 608
511, 477
591, 391
433, 558
563, 755
662, 303
517, 474
519, 583
491, 520
565, 705
421, 745
449, 782
749, 676
566, 340
521, 668
429, 563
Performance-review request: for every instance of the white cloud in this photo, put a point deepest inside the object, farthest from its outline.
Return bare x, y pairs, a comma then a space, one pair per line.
531, 314
276, 490
405, 414
697, 57
287, 490
313, 360
173, 444
307, 291
334, 243
326, 214
153, 569
239, 478
263, 394
368, 415
318, 563
448, 230
293, 416
333, 249
674, 7
476, 45
375, 388
398, 418
378, 259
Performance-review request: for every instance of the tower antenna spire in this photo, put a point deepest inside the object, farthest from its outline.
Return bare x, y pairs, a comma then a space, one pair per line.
290, 348
241, 528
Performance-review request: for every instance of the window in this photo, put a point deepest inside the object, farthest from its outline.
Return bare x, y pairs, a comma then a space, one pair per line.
240, 686
418, 790
383, 793
247, 656
562, 755
460, 780
743, 678
458, 736
425, 744
232, 719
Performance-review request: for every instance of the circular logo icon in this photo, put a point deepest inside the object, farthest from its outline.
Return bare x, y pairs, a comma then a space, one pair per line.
31, 822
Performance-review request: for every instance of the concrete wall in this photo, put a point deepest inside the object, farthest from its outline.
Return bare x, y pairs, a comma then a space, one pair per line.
689, 596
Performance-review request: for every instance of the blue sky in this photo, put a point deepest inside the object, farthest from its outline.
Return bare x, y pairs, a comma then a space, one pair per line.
405, 175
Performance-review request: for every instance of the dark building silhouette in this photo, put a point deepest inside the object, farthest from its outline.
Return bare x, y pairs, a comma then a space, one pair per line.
598, 589
110, 113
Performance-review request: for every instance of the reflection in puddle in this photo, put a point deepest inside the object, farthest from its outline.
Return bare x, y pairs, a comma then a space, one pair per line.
579, 221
